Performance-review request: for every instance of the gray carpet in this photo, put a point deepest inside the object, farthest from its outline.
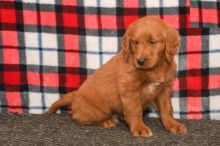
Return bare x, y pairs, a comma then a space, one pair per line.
62, 130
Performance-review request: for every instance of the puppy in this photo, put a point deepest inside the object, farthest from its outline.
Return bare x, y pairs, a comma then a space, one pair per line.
141, 73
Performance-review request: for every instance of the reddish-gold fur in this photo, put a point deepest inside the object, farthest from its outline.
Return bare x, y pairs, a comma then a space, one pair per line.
123, 87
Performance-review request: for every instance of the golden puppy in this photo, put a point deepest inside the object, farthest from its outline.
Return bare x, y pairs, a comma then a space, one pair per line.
141, 73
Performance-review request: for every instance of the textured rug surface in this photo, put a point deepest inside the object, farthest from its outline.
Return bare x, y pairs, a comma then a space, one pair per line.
53, 130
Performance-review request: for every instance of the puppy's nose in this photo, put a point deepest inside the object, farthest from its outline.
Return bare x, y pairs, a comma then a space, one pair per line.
141, 61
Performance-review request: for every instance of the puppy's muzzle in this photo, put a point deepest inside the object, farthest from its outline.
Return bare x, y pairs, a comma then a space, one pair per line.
141, 61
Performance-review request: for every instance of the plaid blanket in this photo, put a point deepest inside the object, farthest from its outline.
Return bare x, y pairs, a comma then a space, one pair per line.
205, 13
48, 48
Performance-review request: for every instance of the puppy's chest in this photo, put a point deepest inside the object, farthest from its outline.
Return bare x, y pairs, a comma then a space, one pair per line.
153, 86
151, 89
153, 83
149, 92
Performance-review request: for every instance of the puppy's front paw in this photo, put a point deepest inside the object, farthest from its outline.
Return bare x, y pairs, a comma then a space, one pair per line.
176, 128
141, 130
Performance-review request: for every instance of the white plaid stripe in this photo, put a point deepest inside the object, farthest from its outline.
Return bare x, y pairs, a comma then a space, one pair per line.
108, 3
152, 3
32, 56
176, 107
110, 44
170, 3
215, 107
92, 43
90, 3
29, 1
46, 1
93, 61
39, 1
49, 40
214, 42
161, 3
50, 58
214, 48
50, 98
31, 39
35, 103
213, 59
109, 47
154, 113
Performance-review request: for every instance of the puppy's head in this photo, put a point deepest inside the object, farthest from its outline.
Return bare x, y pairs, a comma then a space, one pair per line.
149, 41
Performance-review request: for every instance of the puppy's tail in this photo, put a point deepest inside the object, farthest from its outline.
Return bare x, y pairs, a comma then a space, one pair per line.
66, 100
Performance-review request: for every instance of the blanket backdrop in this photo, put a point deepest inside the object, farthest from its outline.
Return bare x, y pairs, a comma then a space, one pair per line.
205, 13
48, 48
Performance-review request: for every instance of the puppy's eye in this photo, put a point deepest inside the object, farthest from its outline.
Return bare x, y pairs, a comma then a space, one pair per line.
152, 42
136, 42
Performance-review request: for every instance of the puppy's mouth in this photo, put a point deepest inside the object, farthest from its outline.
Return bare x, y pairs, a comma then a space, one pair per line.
146, 66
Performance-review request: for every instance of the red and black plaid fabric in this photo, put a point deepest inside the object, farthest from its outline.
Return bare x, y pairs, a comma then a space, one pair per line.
205, 13
198, 83
48, 48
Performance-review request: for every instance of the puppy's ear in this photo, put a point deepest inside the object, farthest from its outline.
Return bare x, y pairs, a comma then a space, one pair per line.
125, 46
172, 44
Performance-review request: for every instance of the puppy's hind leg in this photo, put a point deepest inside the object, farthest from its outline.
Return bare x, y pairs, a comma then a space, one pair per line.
66, 100
109, 123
